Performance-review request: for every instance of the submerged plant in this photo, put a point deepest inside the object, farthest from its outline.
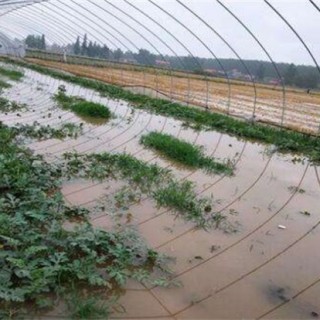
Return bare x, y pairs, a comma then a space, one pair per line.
11, 74
81, 107
183, 152
150, 179
87, 308
39, 132
180, 197
41, 262
4, 85
11, 106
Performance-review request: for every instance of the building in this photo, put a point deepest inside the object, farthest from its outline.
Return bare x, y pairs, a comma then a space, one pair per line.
235, 74
162, 63
128, 60
275, 82
212, 72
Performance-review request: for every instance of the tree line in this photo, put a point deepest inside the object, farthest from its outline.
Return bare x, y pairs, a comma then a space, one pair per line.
36, 42
263, 71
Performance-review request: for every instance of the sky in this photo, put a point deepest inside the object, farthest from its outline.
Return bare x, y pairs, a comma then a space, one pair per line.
172, 28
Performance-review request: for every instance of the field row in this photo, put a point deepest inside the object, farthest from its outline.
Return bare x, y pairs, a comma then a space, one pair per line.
292, 109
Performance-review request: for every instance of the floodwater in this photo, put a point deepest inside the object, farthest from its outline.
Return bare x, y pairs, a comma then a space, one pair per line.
250, 268
288, 107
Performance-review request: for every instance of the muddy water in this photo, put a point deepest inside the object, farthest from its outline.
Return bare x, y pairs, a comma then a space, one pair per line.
293, 109
248, 267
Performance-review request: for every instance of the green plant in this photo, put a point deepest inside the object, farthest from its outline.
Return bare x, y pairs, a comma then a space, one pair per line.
11, 74
149, 179
294, 189
11, 106
117, 166
4, 84
87, 308
38, 132
183, 152
82, 107
91, 109
40, 260
181, 198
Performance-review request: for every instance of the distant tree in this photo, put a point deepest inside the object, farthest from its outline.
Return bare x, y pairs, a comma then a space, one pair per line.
145, 57
302, 76
105, 54
90, 50
190, 64
84, 46
43, 42
261, 71
117, 54
308, 80
290, 74
96, 50
29, 41
76, 47
35, 42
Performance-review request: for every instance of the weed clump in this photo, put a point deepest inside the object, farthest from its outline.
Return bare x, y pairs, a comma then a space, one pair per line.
39, 132
183, 152
115, 166
87, 308
11, 74
150, 179
180, 197
91, 109
4, 85
82, 107
11, 106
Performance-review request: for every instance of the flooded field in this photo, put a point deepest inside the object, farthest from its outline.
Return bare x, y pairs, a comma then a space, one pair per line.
291, 108
262, 262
